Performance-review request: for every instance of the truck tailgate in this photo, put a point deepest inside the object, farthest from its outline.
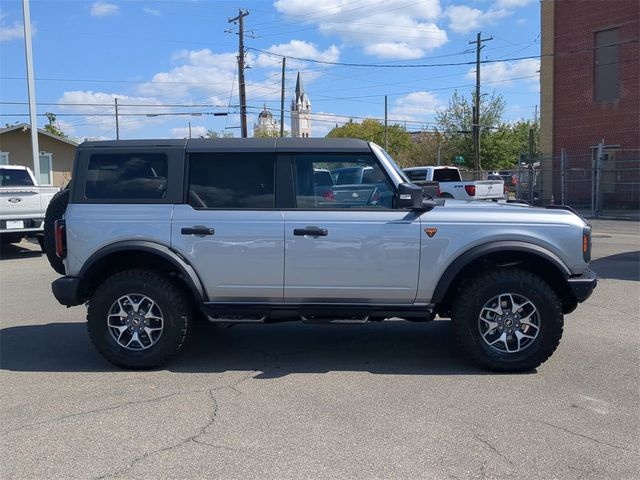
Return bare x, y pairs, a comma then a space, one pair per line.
25, 202
489, 189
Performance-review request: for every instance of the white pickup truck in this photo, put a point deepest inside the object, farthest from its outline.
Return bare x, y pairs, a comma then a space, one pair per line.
452, 186
23, 204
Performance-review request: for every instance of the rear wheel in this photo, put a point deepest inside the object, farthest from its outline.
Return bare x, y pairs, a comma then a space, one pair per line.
446, 195
508, 320
139, 319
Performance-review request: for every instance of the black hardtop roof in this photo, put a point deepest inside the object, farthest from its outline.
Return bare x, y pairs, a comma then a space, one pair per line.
343, 145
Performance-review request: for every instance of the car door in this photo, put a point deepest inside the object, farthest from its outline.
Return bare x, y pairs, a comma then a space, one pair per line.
349, 245
229, 228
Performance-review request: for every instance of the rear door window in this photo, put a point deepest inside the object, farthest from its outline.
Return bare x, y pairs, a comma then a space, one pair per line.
235, 180
124, 176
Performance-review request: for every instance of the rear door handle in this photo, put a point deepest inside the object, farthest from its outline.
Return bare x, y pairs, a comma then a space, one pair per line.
311, 231
197, 230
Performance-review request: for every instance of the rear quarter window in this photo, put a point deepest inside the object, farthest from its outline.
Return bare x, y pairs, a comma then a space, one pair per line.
135, 176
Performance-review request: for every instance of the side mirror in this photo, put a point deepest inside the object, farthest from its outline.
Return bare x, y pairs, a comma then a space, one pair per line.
409, 196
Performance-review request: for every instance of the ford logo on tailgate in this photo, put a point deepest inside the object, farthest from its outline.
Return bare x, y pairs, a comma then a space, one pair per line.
14, 200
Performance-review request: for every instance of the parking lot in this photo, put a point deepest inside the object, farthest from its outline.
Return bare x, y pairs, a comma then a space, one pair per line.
391, 400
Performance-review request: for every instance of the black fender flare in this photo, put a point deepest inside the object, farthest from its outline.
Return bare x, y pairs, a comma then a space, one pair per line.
186, 270
474, 253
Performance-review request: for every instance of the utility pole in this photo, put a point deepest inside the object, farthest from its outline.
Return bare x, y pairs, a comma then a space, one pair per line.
31, 88
117, 121
476, 116
241, 86
189, 129
284, 64
386, 141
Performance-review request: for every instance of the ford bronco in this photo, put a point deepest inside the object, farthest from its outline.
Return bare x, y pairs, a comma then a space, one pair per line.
158, 234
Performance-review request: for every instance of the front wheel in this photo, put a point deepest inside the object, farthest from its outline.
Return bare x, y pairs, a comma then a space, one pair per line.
138, 319
508, 320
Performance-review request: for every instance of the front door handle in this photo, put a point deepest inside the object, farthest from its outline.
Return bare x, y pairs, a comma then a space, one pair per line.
311, 231
197, 230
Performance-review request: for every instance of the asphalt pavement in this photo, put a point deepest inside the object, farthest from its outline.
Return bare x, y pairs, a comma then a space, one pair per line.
293, 401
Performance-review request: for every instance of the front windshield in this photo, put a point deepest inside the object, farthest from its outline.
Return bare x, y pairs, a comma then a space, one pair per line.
391, 161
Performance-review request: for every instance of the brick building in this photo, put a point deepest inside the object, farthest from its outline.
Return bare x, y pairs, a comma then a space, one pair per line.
590, 84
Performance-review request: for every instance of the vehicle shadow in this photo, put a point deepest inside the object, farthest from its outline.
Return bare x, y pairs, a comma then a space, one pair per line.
621, 266
270, 351
14, 251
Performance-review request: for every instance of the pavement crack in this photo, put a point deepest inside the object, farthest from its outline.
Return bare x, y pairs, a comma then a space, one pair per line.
192, 438
498, 452
587, 437
100, 410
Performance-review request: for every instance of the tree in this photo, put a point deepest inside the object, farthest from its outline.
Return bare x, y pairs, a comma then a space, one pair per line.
53, 126
213, 134
270, 135
373, 131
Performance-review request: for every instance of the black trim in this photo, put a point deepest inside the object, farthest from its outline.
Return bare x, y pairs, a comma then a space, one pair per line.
470, 255
66, 290
321, 310
583, 285
187, 271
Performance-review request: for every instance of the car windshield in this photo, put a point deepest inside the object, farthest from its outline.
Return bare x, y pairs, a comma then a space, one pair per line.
10, 177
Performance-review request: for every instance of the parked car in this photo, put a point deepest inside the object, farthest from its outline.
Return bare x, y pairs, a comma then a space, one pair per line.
23, 204
451, 185
232, 231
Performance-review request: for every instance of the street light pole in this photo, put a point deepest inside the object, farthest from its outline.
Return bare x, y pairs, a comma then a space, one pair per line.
35, 150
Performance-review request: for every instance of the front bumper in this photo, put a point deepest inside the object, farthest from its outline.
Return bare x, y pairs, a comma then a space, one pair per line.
582, 285
67, 291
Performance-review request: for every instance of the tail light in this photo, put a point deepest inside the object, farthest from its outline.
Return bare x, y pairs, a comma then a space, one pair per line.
438, 192
586, 243
329, 196
505, 189
471, 190
514, 180
61, 238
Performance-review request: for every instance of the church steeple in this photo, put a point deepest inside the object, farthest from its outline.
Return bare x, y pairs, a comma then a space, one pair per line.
300, 111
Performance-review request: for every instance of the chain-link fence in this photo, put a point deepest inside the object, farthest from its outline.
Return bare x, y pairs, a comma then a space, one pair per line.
599, 182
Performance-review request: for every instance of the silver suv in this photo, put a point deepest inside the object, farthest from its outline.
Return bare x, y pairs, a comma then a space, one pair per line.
158, 234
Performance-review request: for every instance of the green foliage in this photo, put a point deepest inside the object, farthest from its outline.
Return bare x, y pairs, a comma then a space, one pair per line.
213, 134
52, 126
373, 131
270, 135
500, 143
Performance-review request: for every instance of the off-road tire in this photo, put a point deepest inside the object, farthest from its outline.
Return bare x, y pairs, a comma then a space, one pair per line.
55, 211
169, 295
482, 288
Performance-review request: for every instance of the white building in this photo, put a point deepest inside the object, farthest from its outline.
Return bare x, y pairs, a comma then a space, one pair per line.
267, 126
300, 112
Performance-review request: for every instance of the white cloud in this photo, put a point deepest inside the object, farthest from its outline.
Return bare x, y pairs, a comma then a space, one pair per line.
464, 19
297, 48
323, 122
508, 72
151, 11
390, 29
95, 114
197, 131
419, 106
13, 31
399, 50
199, 71
512, 3
104, 9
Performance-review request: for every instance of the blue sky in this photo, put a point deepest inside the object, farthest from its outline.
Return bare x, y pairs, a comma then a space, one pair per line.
155, 54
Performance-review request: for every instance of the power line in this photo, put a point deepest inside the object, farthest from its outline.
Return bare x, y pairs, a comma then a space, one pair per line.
433, 65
